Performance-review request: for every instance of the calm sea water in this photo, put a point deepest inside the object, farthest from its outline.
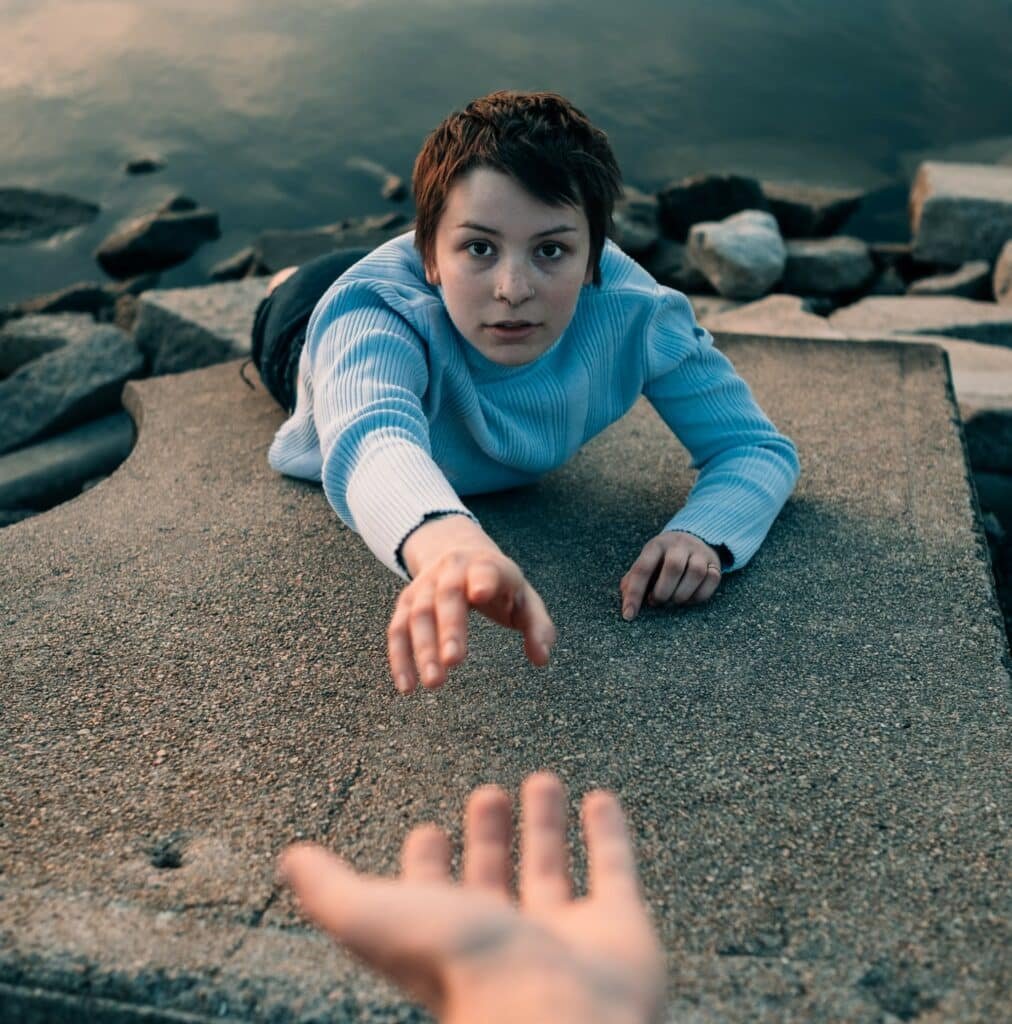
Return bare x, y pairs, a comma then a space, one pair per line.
257, 105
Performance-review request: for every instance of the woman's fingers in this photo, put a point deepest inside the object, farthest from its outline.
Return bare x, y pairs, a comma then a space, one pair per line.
675, 564
637, 580
402, 665
695, 573
708, 587
451, 614
611, 865
488, 838
531, 617
422, 627
544, 859
425, 856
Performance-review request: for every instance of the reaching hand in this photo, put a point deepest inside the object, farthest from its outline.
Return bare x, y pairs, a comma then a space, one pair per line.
673, 566
464, 950
458, 567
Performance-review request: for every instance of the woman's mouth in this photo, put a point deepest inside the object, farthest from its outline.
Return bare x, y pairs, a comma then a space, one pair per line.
513, 333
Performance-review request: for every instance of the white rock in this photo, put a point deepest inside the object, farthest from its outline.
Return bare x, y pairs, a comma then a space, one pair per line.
969, 282
960, 212
742, 256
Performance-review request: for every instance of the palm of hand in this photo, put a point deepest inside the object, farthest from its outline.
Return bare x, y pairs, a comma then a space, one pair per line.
466, 951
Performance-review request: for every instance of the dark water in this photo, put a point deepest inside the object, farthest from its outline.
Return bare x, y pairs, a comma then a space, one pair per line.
257, 105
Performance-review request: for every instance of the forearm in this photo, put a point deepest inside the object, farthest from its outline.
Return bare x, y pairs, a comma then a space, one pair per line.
435, 537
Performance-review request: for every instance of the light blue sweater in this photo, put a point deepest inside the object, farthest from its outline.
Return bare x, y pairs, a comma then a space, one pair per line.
397, 414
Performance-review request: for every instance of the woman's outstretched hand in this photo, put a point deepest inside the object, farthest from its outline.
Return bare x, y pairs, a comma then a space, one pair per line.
455, 567
466, 951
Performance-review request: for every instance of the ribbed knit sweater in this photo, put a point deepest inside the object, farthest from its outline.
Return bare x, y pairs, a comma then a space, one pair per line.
397, 414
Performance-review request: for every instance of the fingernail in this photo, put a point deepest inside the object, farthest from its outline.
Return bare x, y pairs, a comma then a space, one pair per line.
628, 612
451, 649
432, 672
402, 684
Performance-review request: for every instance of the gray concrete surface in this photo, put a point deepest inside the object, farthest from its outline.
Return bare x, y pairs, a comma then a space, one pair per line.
815, 763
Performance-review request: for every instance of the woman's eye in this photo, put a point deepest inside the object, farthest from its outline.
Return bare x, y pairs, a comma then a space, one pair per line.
546, 245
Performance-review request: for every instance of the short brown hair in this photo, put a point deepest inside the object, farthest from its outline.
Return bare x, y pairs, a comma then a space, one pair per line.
540, 140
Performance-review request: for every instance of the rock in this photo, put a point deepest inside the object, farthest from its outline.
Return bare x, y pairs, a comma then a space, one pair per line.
989, 441
668, 263
995, 493
178, 203
888, 282
27, 214
928, 314
29, 337
44, 474
182, 329
1001, 283
134, 285
706, 307
809, 211
83, 297
10, 516
144, 165
636, 229
707, 197
278, 249
881, 216
742, 256
960, 212
157, 241
971, 281
786, 315
66, 387
898, 255
826, 266
392, 186
237, 266
125, 313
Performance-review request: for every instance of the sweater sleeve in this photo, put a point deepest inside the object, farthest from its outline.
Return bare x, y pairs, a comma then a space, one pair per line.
369, 373
747, 468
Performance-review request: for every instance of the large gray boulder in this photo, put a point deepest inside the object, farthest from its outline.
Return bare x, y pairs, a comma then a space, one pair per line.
706, 197
971, 281
960, 212
278, 249
742, 256
29, 337
51, 471
928, 314
637, 231
181, 329
27, 214
69, 386
157, 241
809, 211
827, 266
1001, 282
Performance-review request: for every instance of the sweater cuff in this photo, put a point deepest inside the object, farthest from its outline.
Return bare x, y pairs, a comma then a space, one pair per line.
391, 492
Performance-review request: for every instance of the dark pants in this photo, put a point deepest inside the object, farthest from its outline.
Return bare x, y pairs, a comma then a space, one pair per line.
279, 327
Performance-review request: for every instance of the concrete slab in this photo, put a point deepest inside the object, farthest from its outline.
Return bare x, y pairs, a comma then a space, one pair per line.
814, 763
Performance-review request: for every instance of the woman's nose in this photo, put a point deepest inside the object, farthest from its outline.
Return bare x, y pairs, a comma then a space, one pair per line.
514, 287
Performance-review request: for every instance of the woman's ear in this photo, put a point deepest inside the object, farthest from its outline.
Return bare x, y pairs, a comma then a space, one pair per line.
432, 274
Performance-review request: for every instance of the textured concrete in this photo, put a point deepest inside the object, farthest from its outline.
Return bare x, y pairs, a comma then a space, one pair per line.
815, 763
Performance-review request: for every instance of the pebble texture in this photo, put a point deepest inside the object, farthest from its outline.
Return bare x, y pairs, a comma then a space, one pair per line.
813, 763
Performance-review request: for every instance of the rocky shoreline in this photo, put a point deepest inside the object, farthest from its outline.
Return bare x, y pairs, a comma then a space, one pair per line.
761, 258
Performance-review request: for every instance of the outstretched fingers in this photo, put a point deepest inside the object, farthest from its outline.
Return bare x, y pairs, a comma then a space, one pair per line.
611, 863
488, 838
544, 859
425, 856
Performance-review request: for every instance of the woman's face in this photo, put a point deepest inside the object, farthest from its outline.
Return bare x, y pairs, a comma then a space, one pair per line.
502, 255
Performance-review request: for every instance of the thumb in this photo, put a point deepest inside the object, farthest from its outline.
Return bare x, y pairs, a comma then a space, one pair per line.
379, 920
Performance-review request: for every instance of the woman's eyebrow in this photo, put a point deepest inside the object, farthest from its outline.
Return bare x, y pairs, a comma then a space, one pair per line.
492, 231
